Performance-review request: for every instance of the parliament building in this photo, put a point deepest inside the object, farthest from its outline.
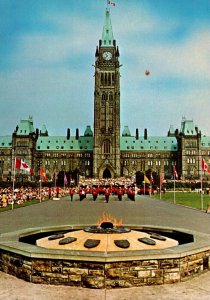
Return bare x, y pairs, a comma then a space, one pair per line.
106, 151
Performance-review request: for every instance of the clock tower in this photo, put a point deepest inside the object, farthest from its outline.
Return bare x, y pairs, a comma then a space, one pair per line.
106, 156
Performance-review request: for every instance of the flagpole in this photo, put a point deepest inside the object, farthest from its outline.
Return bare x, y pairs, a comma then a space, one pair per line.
13, 181
150, 184
160, 185
40, 186
174, 191
201, 185
55, 178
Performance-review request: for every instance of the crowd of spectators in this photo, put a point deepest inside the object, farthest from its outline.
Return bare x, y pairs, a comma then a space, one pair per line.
96, 187
8, 196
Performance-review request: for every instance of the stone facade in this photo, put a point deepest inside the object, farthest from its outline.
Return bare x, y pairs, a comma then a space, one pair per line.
104, 275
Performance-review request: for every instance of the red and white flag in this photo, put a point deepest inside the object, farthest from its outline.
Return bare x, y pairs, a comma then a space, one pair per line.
161, 178
111, 3
152, 179
21, 165
42, 174
204, 166
175, 172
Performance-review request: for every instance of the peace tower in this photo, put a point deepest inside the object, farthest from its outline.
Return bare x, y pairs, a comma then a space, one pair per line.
106, 152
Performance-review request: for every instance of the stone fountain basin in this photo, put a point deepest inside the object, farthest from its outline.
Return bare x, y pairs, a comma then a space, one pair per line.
103, 269
13, 241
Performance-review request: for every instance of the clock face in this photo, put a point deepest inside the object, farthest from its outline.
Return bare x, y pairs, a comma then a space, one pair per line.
107, 55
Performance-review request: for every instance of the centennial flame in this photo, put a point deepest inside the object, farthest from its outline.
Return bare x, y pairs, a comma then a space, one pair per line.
108, 218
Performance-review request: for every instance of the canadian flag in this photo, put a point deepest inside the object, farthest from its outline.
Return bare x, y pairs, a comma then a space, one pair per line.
162, 180
21, 165
205, 167
152, 179
175, 172
43, 175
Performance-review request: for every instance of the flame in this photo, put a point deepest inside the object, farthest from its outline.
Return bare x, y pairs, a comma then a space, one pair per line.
108, 218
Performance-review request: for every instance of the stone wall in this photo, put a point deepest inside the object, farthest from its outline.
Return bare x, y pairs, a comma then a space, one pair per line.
104, 275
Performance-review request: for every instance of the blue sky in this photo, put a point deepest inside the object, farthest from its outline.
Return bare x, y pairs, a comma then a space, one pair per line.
47, 50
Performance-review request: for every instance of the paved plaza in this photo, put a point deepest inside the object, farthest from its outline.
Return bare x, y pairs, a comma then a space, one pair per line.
144, 211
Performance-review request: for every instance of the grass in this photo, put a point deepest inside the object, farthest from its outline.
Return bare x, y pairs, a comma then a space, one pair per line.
190, 199
28, 203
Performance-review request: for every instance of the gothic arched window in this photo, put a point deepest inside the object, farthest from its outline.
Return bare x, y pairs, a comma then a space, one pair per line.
105, 78
111, 99
103, 99
109, 79
102, 78
113, 78
107, 147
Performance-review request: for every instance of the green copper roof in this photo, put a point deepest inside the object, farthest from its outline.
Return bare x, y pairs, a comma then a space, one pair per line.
171, 129
88, 131
62, 143
44, 129
107, 34
188, 127
6, 141
151, 143
205, 141
126, 131
25, 127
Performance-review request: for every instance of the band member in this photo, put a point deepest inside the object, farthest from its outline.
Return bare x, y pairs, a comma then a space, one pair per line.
120, 193
71, 193
81, 193
95, 193
131, 193
107, 194
57, 191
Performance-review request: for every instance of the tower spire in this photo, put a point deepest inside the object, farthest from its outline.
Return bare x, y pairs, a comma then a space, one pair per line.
107, 34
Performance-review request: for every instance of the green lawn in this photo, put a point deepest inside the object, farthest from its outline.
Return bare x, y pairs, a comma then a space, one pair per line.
9, 207
190, 199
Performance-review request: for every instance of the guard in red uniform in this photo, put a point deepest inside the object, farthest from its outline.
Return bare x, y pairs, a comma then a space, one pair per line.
82, 194
95, 193
107, 194
57, 191
71, 193
120, 193
131, 193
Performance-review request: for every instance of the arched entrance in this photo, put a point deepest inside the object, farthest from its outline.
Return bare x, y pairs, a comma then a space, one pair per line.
107, 173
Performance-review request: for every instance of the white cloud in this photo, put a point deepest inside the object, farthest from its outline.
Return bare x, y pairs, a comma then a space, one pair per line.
188, 60
50, 96
76, 36
137, 21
